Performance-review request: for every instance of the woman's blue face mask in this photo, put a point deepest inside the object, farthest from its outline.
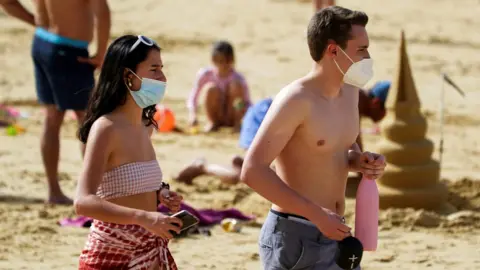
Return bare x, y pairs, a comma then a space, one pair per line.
151, 92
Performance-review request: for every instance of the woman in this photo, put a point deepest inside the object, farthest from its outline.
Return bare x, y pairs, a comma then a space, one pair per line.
121, 181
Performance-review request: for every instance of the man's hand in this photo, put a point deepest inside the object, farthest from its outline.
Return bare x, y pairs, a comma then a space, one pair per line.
17, 10
96, 61
371, 165
332, 225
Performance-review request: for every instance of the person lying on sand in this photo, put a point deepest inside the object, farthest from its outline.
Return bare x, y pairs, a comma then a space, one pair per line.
120, 184
227, 95
310, 131
371, 104
63, 67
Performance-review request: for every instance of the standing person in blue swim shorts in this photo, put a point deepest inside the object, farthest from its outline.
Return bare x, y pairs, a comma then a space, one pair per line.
64, 69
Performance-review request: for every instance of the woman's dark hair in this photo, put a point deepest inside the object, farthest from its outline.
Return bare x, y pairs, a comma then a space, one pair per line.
111, 91
225, 48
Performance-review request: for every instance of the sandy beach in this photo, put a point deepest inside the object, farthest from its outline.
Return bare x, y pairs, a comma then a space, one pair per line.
270, 41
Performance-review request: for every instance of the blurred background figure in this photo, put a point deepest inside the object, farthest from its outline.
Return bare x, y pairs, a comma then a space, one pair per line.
63, 67
371, 104
319, 4
227, 95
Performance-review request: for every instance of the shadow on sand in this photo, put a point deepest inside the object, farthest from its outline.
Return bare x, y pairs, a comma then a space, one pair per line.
13, 199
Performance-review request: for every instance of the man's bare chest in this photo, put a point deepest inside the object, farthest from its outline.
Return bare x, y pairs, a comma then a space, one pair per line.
331, 128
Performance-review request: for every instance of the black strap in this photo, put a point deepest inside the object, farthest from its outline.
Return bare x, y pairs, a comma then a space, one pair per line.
285, 215
162, 186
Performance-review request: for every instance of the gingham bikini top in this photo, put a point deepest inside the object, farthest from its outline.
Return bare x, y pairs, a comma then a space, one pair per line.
130, 179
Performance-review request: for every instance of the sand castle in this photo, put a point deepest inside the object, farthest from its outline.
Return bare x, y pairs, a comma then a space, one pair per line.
411, 178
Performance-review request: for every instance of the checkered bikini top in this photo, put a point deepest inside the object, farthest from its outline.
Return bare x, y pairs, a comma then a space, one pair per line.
130, 179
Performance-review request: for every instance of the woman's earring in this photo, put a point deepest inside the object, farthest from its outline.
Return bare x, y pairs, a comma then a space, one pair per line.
129, 83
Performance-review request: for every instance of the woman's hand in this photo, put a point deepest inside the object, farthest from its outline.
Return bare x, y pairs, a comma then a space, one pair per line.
160, 224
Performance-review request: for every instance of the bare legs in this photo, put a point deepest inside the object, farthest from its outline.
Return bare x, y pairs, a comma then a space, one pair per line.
228, 174
80, 116
50, 149
236, 106
224, 108
214, 101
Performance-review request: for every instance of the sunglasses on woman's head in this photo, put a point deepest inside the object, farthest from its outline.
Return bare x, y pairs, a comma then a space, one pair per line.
142, 39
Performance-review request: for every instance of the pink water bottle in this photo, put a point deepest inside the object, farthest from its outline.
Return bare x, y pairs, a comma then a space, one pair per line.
366, 214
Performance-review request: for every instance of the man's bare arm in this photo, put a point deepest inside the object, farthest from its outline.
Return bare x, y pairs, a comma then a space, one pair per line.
103, 24
284, 116
353, 155
17, 10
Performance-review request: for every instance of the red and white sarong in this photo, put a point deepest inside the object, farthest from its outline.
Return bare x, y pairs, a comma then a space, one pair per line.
116, 246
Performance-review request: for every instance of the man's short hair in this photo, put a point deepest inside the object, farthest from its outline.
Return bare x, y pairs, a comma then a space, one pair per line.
332, 24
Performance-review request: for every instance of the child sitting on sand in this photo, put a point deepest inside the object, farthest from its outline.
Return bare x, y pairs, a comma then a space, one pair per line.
227, 96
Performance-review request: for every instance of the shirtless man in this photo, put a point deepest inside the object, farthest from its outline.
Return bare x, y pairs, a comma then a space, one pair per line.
310, 131
63, 68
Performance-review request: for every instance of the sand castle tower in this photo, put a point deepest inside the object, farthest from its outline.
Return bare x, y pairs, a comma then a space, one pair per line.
411, 178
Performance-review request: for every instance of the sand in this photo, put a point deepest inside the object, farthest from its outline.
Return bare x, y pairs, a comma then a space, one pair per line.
269, 37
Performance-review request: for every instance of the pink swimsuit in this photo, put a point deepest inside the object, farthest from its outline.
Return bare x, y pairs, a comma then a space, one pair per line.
120, 246
206, 75
130, 179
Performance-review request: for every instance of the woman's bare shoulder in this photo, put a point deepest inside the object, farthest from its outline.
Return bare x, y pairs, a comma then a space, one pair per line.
104, 128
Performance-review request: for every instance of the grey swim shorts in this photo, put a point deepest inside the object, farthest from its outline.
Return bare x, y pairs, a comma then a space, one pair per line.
294, 243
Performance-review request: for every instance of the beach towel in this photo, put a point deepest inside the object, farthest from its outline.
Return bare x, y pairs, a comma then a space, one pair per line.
207, 217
